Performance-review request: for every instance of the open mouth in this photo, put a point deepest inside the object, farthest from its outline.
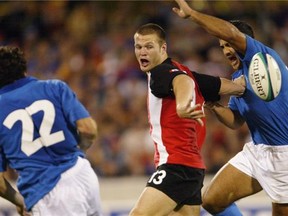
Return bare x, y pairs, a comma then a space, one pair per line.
144, 62
233, 59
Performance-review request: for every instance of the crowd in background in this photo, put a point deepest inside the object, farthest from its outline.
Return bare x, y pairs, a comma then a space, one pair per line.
89, 45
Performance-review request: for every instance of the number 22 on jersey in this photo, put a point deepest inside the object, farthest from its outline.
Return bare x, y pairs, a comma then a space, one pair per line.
28, 145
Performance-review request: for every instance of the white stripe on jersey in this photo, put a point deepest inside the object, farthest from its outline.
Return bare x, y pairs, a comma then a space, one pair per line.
154, 109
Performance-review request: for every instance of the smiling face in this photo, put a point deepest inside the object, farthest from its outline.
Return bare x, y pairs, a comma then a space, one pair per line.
231, 54
150, 51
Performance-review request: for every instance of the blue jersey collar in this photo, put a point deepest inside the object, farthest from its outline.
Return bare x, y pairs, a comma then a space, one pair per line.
17, 84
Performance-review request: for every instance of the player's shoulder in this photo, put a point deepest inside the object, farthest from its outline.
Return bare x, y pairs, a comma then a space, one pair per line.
55, 86
163, 67
53, 83
166, 66
255, 46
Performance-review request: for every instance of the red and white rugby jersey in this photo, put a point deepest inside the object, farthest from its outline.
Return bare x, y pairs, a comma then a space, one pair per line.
177, 140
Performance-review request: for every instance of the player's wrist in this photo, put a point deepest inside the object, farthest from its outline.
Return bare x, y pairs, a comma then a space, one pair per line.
215, 106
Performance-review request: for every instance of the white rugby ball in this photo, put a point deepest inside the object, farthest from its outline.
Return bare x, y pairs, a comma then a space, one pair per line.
265, 76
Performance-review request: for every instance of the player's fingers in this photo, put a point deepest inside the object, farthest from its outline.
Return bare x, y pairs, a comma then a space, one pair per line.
197, 113
199, 120
176, 10
194, 107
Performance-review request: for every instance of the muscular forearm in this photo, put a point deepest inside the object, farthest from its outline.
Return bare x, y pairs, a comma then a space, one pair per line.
231, 88
214, 26
183, 87
217, 27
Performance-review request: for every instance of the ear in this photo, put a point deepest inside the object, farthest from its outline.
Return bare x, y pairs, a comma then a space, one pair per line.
164, 48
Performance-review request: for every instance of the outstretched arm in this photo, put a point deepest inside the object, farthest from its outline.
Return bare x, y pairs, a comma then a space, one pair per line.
224, 114
236, 87
183, 87
215, 26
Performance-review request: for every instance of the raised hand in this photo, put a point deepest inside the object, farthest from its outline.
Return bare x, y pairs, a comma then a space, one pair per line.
184, 9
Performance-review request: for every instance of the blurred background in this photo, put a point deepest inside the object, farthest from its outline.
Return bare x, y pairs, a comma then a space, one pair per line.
89, 45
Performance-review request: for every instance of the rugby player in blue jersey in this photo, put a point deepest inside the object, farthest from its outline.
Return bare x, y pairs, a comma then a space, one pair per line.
44, 133
262, 164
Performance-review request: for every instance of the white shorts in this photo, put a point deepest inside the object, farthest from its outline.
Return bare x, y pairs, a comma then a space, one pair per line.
267, 164
76, 194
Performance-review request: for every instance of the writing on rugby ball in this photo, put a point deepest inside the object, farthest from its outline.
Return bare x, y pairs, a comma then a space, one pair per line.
265, 76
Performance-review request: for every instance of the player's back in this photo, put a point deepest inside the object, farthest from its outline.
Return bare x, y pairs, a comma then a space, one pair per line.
38, 136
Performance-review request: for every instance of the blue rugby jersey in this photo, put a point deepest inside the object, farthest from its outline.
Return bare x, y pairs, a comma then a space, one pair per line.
38, 135
267, 121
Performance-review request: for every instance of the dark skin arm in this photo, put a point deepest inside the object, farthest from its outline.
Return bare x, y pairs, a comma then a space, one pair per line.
236, 87
87, 130
228, 117
226, 31
217, 27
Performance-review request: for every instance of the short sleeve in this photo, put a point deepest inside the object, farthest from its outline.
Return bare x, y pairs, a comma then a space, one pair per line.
72, 107
161, 80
